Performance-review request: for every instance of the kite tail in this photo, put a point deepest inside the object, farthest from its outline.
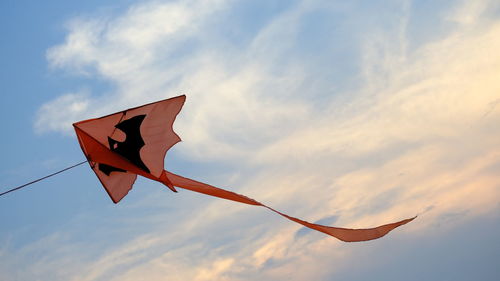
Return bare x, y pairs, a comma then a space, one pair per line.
344, 234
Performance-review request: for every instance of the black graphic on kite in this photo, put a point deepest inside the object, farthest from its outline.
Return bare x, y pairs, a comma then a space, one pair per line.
130, 147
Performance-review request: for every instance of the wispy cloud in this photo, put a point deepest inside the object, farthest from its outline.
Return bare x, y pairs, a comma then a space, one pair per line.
415, 133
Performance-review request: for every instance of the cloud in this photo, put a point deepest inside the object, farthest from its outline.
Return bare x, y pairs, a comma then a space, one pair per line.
415, 134
58, 114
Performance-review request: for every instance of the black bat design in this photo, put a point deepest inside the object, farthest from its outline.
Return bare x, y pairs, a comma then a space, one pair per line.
107, 169
130, 147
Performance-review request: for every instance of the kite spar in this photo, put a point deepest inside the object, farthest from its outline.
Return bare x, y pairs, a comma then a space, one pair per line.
133, 142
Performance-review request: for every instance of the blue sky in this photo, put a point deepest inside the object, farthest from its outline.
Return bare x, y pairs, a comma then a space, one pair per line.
348, 113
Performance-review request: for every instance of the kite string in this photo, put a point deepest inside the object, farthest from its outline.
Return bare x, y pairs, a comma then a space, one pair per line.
42, 178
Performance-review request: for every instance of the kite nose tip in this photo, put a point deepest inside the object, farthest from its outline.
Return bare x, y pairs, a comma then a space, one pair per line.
167, 182
172, 188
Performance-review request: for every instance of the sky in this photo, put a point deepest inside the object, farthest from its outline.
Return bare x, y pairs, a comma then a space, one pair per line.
346, 113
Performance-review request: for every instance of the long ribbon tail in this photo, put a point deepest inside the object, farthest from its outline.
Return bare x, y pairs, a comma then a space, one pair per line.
344, 234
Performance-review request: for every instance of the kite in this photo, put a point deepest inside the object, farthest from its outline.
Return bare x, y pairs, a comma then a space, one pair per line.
134, 142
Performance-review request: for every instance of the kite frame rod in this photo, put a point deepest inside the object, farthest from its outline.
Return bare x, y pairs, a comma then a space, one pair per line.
42, 178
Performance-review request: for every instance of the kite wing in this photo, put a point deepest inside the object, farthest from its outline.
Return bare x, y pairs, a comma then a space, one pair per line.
134, 142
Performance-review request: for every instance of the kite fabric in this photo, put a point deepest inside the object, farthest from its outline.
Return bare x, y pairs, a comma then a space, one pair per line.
134, 142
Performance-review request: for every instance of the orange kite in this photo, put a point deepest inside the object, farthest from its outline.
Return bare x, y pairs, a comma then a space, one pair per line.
134, 142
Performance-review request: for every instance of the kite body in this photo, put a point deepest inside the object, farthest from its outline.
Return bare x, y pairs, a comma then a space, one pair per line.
135, 141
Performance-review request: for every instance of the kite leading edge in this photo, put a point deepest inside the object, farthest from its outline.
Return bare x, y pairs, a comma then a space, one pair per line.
135, 141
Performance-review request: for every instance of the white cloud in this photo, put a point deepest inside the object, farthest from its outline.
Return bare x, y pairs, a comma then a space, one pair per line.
469, 13
58, 115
